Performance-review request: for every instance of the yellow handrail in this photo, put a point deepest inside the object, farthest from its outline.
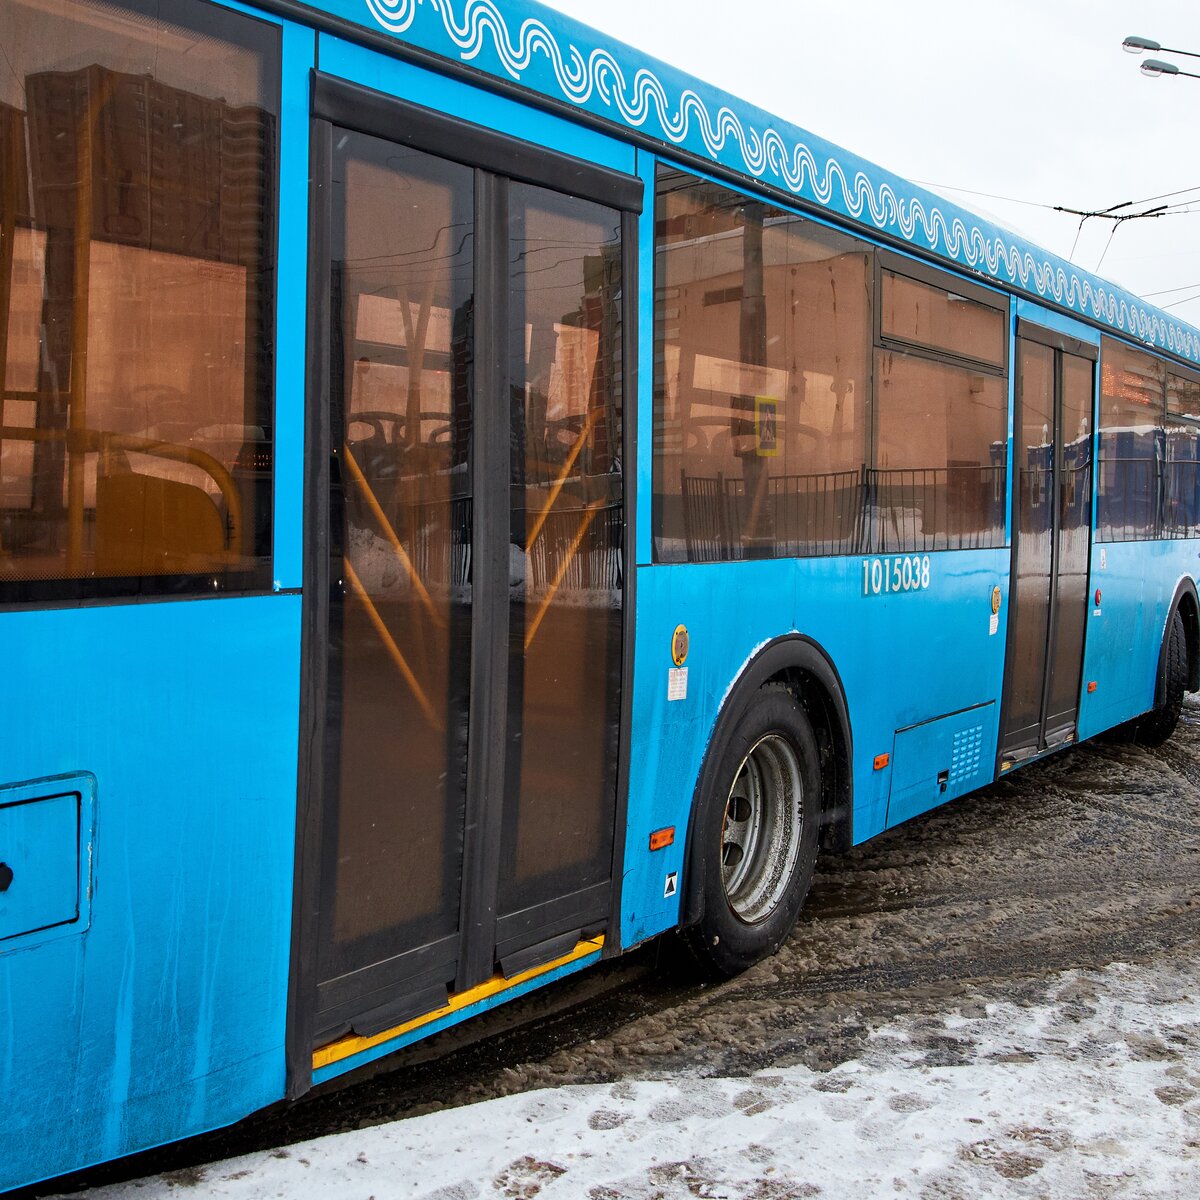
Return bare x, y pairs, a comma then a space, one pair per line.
98, 441
385, 636
557, 486
588, 517
386, 525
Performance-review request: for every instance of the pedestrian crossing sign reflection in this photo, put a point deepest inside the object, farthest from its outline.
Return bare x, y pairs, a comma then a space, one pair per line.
766, 426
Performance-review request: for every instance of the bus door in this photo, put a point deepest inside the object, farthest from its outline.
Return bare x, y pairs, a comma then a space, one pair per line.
469, 625
1052, 517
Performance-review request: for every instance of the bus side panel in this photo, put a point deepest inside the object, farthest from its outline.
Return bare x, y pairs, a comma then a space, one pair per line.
903, 658
1137, 582
164, 1016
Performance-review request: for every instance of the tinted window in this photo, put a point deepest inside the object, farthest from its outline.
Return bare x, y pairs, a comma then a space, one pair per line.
1181, 483
565, 569
402, 283
941, 455
941, 450
1132, 443
939, 319
137, 143
762, 369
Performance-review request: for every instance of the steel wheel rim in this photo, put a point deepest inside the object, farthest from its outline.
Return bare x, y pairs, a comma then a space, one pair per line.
761, 829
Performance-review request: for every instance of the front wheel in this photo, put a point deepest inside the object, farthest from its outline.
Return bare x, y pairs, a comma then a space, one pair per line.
754, 850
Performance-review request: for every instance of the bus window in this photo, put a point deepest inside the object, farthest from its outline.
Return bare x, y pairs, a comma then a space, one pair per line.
1131, 443
940, 455
762, 335
940, 464
1181, 485
136, 154
923, 315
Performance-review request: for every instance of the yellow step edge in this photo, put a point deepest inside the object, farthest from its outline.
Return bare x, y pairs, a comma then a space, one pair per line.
351, 1044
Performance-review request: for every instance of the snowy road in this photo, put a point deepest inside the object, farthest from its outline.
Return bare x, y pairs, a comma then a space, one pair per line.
1093, 1094
944, 1022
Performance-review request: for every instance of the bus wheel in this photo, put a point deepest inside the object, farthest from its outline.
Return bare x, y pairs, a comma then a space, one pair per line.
1159, 723
755, 847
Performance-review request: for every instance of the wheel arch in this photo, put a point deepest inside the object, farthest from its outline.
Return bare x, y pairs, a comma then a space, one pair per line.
803, 666
1187, 604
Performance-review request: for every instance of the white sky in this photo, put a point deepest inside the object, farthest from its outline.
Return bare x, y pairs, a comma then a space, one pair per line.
1032, 99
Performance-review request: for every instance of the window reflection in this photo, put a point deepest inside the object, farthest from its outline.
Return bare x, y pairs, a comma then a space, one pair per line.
565, 565
137, 151
1181, 483
761, 378
1132, 443
923, 315
403, 288
941, 453
771, 437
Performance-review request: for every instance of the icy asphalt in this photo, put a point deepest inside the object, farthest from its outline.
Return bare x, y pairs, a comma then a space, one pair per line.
946, 1021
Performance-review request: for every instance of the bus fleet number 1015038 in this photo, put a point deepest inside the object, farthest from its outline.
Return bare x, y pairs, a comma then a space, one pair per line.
899, 573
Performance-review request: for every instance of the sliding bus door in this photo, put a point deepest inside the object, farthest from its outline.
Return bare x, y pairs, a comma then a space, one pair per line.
474, 510
1052, 511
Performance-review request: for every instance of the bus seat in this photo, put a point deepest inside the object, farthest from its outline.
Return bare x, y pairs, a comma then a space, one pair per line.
146, 525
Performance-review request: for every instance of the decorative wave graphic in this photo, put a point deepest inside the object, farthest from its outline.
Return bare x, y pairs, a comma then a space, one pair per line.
641, 101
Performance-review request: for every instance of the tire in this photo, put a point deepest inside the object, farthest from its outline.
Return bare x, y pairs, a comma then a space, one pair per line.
1159, 723
754, 849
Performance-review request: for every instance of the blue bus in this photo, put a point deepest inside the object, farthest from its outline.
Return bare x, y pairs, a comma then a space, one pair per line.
473, 500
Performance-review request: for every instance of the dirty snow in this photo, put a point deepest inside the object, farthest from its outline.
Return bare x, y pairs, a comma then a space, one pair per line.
1093, 1092
945, 1022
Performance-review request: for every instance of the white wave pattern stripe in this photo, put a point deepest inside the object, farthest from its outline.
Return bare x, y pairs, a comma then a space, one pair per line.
475, 26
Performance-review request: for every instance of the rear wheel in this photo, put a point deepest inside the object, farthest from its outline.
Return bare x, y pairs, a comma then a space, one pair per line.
1159, 723
755, 846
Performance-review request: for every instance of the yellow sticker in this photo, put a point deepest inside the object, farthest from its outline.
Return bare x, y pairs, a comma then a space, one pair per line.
679, 645
995, 600
766, 426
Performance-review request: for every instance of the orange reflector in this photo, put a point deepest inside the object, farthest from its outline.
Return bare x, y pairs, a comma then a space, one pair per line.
881, 761
1091, 686
662, 837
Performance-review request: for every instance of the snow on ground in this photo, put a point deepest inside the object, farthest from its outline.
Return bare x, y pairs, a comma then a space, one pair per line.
1094, 1093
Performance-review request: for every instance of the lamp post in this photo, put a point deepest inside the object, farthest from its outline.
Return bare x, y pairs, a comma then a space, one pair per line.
1155, 67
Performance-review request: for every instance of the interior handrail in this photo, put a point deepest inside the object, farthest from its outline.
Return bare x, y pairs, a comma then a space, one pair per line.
557, 486
381, 519
389, 642
589, 515
90, 441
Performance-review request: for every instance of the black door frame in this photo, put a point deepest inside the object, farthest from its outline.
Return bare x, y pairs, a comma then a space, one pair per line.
497, 158
1062, 345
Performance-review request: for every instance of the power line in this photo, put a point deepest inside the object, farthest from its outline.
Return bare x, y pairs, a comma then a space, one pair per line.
1183, 287
1185, 300
949, 187
1183, 206
1113, 234
1168, 195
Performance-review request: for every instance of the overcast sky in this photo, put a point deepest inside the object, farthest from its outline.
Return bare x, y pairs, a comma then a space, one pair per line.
1029, 99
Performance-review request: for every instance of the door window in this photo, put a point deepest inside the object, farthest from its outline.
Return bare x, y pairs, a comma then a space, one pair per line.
476, 527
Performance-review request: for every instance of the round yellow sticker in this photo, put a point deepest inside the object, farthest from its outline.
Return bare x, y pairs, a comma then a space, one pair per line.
995, 599
679, 645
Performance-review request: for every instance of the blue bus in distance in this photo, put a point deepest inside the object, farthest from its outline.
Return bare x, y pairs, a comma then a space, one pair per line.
474, 499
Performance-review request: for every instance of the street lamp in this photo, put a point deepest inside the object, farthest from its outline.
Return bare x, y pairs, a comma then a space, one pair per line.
1154, 67
1139, 45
